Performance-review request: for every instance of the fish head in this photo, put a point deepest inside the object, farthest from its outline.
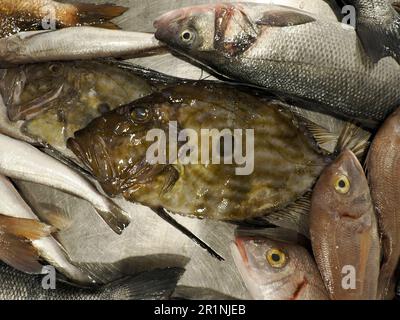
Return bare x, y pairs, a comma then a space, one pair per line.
29, 88
269, 266
211, 34
114, 146
342, 189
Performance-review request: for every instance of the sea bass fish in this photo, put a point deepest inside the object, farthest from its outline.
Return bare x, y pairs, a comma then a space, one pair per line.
26, 15
277, 269
378, 26
75, 43
20, 160
383, 167
115, 149
289, 52
151, 285
344, 231
48, 102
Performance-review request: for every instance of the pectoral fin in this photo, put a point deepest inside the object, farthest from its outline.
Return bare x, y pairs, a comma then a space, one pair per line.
16, 247
284, 18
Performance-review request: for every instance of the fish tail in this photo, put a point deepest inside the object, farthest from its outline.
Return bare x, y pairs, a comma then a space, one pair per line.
115, 217
16, 236
157, 284
98, 15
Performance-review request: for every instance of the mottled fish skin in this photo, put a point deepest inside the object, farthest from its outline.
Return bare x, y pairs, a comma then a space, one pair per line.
287, 51
293, 275
378, 26
26, 15
383, 172
344, 231
157, 284
286, 164
55, 99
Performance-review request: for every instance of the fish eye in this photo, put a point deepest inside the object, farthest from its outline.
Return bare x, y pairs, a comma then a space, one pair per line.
140, 114
276, 258
342, 184
187, 36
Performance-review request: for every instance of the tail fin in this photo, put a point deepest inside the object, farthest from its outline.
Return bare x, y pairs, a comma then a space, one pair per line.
115, 217
99, 15
157, 284
16, 248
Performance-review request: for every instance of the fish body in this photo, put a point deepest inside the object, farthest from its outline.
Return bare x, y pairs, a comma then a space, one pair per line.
156, 284
344, 231
48, 102
382, 167
74, 43
20, 160
22, 15
277, 270
12, 205
289, 52
378, 26
287, 161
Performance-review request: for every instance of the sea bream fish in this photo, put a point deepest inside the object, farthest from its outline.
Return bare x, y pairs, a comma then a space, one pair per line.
156, 284
378, 26
287, 161
26, 15
344, 231
383, 170
320, 64
19, 160
277, 268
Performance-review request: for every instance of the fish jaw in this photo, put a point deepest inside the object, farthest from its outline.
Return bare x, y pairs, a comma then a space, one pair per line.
241, 261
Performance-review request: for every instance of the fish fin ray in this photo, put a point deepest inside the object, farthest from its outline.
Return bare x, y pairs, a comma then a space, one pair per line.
158, 284
115, 217
352, 137
25, 228
98, 14
172, 177
285, 18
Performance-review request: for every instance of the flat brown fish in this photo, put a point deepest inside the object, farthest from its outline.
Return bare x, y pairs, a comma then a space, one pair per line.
286, 164
344, 231
383, 175
26, 15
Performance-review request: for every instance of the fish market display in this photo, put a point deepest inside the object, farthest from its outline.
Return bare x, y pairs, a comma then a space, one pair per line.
383, 167
20, 15
278, 269
156, 284
12, 205
286, 161
344, 232
288, 51
20, 160
48, 102
378, 26
74, 43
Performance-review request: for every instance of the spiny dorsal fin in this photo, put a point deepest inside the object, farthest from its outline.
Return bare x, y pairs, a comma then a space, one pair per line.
352, 137
285, 18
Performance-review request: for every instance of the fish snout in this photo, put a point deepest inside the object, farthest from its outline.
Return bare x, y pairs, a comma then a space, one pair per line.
167, 18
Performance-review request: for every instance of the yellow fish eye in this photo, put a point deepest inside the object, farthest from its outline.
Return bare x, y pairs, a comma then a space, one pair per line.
187, 36
276, 258
342, 184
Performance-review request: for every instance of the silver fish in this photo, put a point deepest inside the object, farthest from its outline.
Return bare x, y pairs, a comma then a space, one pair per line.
22, 161
74, 43
289, 52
